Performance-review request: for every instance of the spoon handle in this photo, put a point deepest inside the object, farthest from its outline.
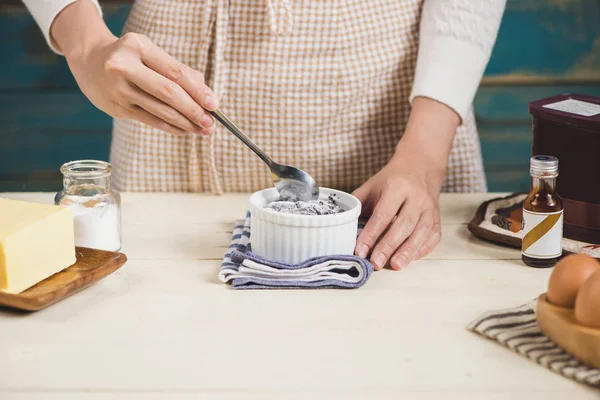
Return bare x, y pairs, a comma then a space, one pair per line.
222, 118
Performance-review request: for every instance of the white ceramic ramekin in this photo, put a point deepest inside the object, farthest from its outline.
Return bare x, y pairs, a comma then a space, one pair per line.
292, 238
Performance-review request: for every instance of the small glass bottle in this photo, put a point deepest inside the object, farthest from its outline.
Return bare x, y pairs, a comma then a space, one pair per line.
542, 215
96, 207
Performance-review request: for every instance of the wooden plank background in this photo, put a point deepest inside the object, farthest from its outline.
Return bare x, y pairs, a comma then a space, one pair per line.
544, 47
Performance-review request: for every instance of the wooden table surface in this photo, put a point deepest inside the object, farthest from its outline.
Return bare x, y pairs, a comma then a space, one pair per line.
164, 327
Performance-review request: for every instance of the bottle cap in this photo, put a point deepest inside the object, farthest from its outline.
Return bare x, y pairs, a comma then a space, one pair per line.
544, 166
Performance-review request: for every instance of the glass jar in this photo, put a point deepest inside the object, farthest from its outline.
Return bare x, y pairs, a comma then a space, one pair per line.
96, 207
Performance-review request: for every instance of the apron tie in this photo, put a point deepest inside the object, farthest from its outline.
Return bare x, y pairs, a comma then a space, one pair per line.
281, 20
221, 16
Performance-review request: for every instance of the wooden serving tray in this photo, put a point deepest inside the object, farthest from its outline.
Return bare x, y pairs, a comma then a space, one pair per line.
559, 324
91, 266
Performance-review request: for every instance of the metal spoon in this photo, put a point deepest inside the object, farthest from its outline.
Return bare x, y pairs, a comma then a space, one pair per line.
293, 184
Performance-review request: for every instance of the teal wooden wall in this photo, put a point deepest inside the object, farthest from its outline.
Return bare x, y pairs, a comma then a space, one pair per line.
544, 47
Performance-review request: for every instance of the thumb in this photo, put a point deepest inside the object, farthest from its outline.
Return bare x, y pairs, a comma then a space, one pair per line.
363, 195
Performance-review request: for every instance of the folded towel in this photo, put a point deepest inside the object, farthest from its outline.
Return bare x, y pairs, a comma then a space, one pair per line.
246, 270
516, 329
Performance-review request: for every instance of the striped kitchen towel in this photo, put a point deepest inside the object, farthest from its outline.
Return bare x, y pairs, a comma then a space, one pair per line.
516, 329
245, 270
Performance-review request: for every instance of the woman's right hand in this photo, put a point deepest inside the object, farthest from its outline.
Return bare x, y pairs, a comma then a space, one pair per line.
132, 78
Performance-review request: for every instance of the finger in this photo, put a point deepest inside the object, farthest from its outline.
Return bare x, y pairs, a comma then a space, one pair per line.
411, 246
401, 229
162, 111
383, 214
209, 131
149, 119
189, 79
170, 93
433, 239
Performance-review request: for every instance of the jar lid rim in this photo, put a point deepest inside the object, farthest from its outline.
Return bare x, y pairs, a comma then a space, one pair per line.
86, 168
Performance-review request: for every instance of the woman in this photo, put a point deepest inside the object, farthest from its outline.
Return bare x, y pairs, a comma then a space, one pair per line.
370, 97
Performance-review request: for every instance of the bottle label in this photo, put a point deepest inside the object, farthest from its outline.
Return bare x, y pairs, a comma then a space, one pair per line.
542, 234
576, 107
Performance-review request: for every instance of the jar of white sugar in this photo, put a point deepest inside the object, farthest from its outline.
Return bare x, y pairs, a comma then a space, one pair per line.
96, 207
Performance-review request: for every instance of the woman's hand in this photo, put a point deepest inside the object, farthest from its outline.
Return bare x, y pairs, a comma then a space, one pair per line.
401, 200
132, 78
404, 221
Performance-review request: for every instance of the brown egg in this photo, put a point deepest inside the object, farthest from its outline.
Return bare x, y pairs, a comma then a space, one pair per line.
568, 276
587, 305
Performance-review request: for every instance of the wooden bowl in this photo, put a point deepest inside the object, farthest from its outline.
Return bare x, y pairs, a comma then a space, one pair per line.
559, 324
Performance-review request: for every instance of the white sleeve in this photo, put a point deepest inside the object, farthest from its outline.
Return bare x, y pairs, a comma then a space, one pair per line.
44, 12
455, 43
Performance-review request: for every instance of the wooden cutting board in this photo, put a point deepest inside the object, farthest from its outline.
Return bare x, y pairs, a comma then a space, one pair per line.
91, 266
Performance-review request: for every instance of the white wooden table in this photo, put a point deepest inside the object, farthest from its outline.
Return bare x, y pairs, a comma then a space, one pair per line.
164, 327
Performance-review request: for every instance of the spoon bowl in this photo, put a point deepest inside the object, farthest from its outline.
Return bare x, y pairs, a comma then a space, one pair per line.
292, 183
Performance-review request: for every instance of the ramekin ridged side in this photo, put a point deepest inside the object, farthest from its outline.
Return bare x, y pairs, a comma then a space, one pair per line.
291, 238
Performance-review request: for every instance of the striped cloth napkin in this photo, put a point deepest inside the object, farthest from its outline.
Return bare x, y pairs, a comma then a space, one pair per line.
516, 329
245, 270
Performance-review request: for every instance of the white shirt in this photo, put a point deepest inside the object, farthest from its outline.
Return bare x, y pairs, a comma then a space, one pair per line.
455, 43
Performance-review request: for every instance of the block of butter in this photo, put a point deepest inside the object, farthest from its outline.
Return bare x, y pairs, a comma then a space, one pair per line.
36, 241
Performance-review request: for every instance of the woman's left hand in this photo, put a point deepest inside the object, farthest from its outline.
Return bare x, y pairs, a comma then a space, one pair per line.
402, 199
404, 222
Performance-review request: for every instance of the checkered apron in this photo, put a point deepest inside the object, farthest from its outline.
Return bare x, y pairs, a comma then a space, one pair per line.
318, 84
